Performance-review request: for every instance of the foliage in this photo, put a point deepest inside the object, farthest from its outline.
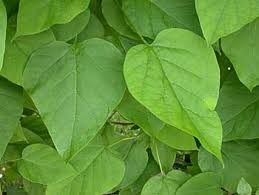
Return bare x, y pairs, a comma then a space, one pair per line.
129, 97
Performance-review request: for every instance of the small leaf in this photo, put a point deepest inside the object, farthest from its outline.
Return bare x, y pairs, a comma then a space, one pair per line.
243, 187
42, 164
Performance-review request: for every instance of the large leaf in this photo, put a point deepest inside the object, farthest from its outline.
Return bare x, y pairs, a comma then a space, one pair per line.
10, 111
241, 159
18, 51
173, 137
238, 110
37, 16
75, 88
242, 49
177, 79
42, 164
160, 15
3, 24
220, 18
65, 32
99, 170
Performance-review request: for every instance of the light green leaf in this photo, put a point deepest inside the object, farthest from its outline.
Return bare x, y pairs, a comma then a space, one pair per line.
257, 192
148, 18
237, 108
37, 16
164, 155
75, 88
201, 184
10, 111
242, 49
42, 164
220, 18
114, 16
177, 79
3, 25
241, 159
18, 51
173, 137
165, 185
65, 32
99, 170
243, 187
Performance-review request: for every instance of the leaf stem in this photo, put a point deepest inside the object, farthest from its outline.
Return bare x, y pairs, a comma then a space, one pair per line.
159, 161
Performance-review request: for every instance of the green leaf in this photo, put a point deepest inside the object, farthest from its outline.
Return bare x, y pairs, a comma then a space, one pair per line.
114, 16
243, 187
46, 13
69, 86
42, 164
65, 32
148, 18
237, 108
94, 29
203, 183
241, 48
165, 185
3, 25
220, 18
10, 111
151, 170
177, 79
173, 137
99, 170
136, 161
241, 159
33, 188
164, 155
18, 51
257, 192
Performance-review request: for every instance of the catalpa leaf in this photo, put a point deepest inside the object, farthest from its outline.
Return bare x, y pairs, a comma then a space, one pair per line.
242, 49
220, 18
114, 16
177, 79
238, 108
17, 51
10, 111
3, 24
75, 88
171, 136
65, 32
37, 16
42, 164
160, 15
165, 184
99, 170
163, 154
241, 159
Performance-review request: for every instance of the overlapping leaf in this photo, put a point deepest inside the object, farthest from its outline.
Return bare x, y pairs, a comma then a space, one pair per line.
220, 18
69, 85
177, 79
3, 24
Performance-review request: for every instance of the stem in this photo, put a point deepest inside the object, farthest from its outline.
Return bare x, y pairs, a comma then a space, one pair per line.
159, 161
122, 140
121, 123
